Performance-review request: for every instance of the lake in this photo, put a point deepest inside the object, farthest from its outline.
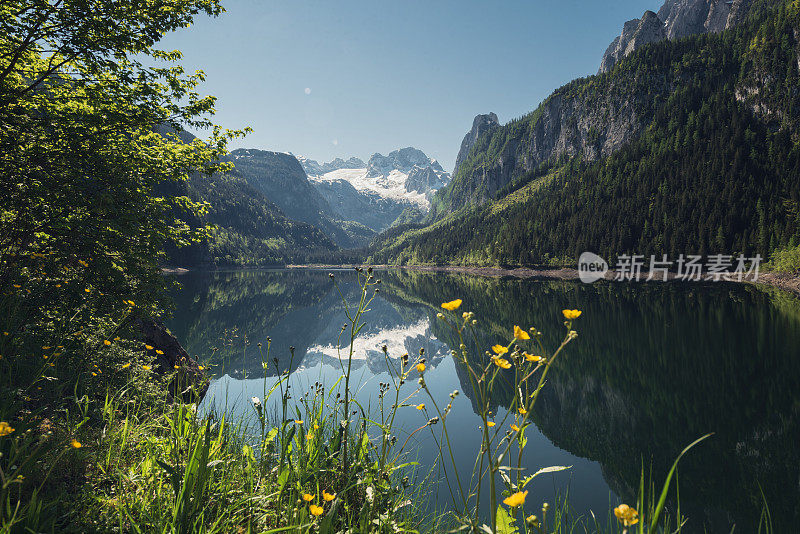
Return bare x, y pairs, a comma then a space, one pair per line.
656, 365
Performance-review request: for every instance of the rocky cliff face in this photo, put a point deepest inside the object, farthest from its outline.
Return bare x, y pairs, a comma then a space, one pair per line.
426, 179
675, 19
635, 34
569, 122
481, 124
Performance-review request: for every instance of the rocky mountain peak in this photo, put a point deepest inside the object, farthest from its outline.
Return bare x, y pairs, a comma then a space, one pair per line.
481, 124
675, 19
402, 160
314, 168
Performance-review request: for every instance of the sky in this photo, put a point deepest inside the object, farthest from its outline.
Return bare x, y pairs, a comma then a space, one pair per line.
327, 79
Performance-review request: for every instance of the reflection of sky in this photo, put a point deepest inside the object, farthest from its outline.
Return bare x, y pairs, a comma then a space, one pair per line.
584, 481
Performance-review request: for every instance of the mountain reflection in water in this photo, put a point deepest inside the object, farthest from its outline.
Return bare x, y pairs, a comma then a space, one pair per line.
654, 367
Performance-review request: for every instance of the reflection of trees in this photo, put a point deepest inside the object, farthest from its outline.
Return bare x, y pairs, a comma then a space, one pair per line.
225, 310
656, 366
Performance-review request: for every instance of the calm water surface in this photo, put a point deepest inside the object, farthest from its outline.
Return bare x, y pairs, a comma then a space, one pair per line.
654, 367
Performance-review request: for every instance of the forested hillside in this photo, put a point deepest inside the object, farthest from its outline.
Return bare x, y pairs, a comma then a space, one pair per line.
709, 162
239, 225
245, 228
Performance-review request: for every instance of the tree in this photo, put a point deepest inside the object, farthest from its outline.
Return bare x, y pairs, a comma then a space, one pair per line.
90, 115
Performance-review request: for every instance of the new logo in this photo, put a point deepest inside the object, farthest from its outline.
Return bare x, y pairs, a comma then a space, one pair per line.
591, 267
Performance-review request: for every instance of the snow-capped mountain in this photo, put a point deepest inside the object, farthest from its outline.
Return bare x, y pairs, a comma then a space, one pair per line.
313, 168
407, 176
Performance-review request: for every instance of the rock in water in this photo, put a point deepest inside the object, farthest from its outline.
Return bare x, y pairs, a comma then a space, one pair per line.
190, 382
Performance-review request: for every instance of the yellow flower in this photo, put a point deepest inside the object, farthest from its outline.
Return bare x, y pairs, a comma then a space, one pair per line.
521, 334
83, 263
514, 427
420, 367
159, 351
17, 286
117, 338
452, 305
126, 365
523, 411
517, 499
148, 347
298, 421
146, 367
626, 515
499, 349
571, 314
5, 429
531, 357
315, 510
177, 366
310, 436
328, 496
75, 444
421, 406
490, 424
106, 342
308, 497
500, 362
316, 426
94, 374
88, 290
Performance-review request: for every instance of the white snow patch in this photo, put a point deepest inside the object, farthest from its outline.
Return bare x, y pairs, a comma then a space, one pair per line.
391, 186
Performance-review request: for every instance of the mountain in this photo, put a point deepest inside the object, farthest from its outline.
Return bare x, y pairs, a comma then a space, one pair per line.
686, 146
365, 207
377, 192
675, 19
281, 178
313, 168
248, 229
635, 34
481, 124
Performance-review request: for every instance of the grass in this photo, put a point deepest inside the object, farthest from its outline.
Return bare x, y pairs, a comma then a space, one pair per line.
137, 460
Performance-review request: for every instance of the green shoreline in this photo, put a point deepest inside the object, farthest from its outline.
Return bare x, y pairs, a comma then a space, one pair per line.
784, 281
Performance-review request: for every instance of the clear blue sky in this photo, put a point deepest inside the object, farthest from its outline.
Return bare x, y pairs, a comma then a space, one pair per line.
350, 78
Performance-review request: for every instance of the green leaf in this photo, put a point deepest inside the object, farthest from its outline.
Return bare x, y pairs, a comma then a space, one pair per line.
505, 523
663, 498
544, 470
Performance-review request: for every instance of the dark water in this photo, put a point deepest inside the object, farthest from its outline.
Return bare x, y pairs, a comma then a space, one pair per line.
655, 366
